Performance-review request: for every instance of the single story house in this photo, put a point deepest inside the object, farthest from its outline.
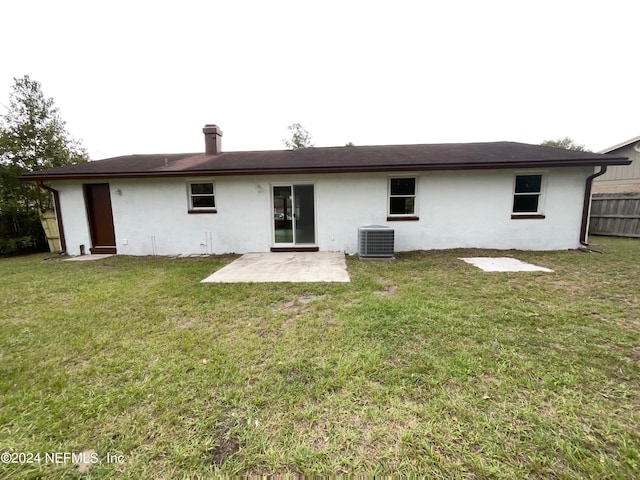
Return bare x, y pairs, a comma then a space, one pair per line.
619, 179
502, 195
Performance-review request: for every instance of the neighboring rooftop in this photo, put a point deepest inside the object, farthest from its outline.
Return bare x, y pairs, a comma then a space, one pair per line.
621, 180
446, 156
621, 145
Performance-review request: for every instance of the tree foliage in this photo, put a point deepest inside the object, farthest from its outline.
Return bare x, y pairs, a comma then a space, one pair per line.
33, 136
300, 137
567, 143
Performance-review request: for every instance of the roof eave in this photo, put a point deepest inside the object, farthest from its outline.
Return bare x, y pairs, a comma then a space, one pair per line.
318, 170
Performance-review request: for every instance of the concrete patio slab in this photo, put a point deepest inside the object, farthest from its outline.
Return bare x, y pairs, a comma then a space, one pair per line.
88, 258
283, 267
503, 264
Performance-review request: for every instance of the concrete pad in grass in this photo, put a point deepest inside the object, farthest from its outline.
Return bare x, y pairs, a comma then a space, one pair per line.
88, 258
504, 264
283, 267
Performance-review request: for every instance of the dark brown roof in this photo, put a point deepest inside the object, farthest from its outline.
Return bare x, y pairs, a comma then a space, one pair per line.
388, 158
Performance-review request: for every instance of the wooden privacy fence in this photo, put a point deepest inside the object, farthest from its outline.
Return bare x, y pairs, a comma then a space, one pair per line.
615, 214
50, 225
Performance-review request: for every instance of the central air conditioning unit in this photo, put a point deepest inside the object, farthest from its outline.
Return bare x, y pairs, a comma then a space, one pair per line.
375, 241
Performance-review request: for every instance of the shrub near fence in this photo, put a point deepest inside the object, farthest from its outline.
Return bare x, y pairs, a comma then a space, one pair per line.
21, 233
615, 214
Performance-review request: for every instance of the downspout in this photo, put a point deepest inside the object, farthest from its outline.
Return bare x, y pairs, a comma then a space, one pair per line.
56, 203
587, 204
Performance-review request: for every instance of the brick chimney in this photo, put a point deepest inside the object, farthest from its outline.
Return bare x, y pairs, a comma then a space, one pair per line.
212, 139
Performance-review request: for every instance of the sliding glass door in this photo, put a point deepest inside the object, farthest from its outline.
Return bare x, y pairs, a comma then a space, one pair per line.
282, 215
294, 215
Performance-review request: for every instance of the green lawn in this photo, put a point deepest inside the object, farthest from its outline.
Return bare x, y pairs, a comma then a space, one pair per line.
424, 365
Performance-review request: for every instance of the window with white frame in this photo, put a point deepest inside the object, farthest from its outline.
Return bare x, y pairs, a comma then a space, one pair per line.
201, 196
527, 195
402, 196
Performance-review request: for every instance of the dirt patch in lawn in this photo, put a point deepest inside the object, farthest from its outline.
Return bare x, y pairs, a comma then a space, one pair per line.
387, 291
227, 446
296, 302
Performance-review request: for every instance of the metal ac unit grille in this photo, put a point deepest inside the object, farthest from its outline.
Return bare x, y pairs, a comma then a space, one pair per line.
375, 241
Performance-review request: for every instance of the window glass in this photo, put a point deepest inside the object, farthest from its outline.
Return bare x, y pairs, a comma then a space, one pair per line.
201, 195
202, 188
525, 203
401, 206
403, 186
402, 193
203, 202
528, 183
527, 192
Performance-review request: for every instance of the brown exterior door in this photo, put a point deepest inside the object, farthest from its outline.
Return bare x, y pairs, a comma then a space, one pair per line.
98, 200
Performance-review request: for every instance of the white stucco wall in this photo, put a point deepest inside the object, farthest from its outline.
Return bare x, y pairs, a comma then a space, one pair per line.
456, 209
74, 216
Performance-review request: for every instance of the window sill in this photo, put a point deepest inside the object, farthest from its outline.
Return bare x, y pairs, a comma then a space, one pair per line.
527, 216
203, 210
403, 219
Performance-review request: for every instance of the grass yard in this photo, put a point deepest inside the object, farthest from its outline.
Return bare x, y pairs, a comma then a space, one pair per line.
424, 365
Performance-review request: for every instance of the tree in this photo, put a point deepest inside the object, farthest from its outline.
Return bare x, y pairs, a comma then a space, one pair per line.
566, 142
300, 138
349, 144
33, 136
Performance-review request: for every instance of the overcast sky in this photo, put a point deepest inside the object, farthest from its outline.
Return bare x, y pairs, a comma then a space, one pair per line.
146, 76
